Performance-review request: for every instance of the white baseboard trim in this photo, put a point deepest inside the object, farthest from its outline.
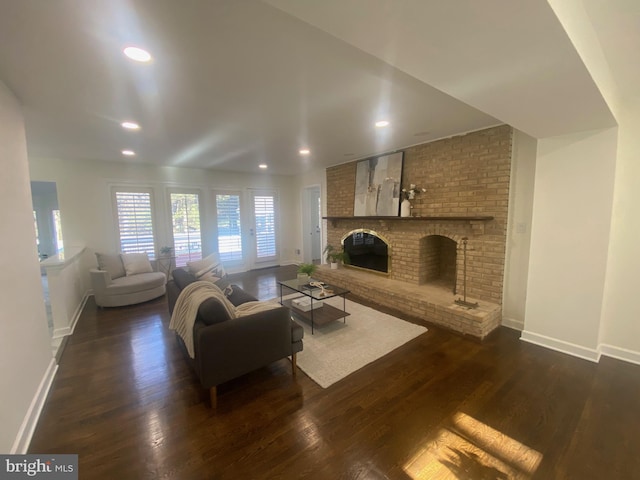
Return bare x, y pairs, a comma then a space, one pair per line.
58, 341
620, 353
23, 439
68, 330
78, 312
561, 346
513, 323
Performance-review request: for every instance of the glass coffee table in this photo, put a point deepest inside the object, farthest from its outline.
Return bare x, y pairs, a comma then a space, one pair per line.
303, 306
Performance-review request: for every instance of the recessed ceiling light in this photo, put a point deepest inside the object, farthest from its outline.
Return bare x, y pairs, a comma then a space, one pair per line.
128, 153
382, 123
130, 125
262, 166
305, 151
137, 54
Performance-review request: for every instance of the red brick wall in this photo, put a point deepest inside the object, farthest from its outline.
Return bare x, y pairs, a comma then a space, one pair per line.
463, 175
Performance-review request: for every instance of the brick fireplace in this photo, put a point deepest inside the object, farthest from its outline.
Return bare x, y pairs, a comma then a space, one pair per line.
467, 192
367, 249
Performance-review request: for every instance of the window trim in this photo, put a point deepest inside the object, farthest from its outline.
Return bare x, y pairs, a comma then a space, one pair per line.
116, 219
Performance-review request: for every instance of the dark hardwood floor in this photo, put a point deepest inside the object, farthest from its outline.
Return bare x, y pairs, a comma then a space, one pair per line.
441, 406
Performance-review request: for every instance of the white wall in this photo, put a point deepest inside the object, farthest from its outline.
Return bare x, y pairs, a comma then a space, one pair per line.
516, 268
573, 197
84, 197
597, 46
620, 334
68, 289
26, 362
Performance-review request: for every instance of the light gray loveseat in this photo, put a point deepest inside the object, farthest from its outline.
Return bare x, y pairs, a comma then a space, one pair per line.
226, 348
125, 279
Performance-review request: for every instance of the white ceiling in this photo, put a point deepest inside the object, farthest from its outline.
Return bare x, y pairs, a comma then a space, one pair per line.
238, 83
510, 59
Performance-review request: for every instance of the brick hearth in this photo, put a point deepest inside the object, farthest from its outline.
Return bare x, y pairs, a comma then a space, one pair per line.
429, 302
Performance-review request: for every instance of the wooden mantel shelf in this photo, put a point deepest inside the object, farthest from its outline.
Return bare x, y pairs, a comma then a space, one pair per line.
461, 218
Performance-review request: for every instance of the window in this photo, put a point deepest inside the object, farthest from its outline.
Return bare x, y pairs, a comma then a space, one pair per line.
57, 230
229, 231
35, 224
185, 218
135, 221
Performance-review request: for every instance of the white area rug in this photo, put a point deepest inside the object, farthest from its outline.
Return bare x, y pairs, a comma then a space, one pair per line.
336, 350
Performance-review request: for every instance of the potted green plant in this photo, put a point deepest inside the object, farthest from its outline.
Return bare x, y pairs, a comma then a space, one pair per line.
166, 251
328, 250
335, 256
305, 270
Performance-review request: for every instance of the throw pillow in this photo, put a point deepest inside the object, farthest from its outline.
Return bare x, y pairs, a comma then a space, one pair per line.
182, 278
112, 264
209, 277
211, 264
222, 284
211, 311
136, 263
239, 296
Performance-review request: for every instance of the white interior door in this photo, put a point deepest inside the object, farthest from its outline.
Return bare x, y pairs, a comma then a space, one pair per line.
312, 224
263, 231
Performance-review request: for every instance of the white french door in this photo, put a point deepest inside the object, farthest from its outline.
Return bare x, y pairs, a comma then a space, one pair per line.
264, 227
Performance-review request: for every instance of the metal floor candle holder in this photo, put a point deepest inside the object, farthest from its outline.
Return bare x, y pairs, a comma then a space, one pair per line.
463, 301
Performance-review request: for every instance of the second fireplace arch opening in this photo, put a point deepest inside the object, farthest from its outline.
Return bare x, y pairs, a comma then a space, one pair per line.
439, 261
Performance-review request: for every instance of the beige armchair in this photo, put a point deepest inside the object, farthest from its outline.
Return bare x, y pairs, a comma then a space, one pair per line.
117, 286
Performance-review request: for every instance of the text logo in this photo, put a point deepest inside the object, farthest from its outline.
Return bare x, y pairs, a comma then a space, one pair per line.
53, 467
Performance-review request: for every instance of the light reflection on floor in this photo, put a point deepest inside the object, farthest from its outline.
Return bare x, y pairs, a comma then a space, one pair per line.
307, 429
467, 448
149, 361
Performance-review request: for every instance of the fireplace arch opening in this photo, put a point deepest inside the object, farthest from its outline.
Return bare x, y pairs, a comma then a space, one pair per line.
367, 249
439, 261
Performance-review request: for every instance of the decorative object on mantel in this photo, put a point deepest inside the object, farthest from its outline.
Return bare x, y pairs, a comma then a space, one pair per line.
463, 301
405, 208
408, 195
377, 189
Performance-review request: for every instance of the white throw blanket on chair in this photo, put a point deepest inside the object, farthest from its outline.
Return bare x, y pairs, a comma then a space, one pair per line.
193, 295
